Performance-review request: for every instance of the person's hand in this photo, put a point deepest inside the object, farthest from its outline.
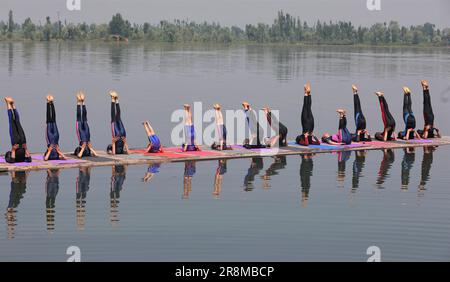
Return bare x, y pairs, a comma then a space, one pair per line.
406, 90
354, 89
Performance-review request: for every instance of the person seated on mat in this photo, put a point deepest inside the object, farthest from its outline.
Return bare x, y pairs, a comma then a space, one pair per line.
408, 117
343, 137
53, 151
254, 129
429, 130
189, 131
307, 137
361, 134
85, 148
388, 133
154, 144
221, 130
19, 152
119, 135
278, 127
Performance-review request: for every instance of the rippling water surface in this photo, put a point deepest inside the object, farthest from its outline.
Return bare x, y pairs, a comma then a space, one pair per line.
322, 207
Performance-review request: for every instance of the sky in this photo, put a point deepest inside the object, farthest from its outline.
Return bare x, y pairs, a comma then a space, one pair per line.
233, 12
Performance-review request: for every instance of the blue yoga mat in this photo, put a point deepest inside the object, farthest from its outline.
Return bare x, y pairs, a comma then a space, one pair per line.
321, 146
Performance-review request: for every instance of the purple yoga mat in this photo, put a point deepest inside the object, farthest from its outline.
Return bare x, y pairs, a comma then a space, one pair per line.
69, 161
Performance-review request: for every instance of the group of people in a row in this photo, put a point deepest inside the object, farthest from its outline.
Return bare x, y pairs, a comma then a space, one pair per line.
344, 137
20, 153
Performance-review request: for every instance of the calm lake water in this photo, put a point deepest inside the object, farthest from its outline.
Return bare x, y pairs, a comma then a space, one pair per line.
326, 207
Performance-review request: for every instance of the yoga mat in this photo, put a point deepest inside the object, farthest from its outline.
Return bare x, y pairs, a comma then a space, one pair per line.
259, 150
193, 153
3, 161
66, 161
325, 147
380, 143
166, 154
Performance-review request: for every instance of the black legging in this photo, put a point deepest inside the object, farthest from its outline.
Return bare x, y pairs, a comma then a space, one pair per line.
307, 115
118, 130
15, 128
360, 120
427, 109
388, 119
408, 115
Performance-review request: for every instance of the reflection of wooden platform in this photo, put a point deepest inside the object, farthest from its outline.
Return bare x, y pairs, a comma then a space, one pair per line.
137, 157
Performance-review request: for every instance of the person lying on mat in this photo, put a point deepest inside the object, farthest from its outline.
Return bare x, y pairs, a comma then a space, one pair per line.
189, 131
343, 137
254, 129
278, 127
154, 144
119, 135
53, 151
19, 152
361, 134
408, 117
307, 137
429, 130
85, 148
221, 130
388, 133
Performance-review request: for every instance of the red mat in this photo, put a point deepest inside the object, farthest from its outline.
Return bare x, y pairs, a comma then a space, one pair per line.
165, 154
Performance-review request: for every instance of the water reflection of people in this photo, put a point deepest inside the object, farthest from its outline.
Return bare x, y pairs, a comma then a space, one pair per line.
279, 162
220, 171
151, 171
409, 158
343, 157
51, 190
189, 172
82, 187
117, 179
385, 166
358, 166
306, 172
255, 167
18, 189
427, 161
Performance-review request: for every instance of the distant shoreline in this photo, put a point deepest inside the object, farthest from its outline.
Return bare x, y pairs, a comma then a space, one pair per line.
285, 29
231, 44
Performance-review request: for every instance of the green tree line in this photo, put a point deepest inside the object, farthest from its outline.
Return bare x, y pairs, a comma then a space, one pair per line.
285, 28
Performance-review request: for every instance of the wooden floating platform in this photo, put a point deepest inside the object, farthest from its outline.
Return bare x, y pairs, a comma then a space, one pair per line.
139, 157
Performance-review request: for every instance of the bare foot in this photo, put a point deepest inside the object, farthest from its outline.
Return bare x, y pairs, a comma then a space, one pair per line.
114, 95
424, 84
9, 100
307, 88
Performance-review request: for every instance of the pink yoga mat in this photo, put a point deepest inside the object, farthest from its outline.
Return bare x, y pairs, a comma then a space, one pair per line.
193, 153
165, 154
